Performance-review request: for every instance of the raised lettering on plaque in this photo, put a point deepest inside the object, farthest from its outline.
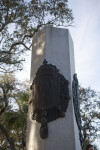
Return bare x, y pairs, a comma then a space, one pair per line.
50, 96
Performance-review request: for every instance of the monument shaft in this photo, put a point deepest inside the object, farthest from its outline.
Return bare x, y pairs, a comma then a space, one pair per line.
56, 47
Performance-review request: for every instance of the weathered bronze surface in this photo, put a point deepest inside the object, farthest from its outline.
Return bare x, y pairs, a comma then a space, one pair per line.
77, 104
50, 96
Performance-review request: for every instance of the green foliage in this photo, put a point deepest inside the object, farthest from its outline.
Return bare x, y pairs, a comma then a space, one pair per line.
20, 20
14, 119
95, 147
90, 113
8, 80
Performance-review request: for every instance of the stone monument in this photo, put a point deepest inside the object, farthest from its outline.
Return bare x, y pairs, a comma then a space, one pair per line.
54, 118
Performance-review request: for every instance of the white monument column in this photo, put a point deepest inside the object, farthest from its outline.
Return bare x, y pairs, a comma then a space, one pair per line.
56, 46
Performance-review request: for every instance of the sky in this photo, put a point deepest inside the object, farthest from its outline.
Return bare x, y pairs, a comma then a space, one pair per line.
86, 38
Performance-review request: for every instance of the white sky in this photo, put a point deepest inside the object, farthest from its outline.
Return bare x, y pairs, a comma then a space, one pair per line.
86, 38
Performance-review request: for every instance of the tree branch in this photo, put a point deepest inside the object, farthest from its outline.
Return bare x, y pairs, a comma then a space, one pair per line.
2, 109
18, 43
9, 139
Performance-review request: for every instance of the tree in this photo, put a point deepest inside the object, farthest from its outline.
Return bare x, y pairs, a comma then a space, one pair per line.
13, 118
3, 105
20, 20
90, 113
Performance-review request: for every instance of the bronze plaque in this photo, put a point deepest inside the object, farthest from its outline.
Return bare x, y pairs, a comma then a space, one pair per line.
46, 92
49, 96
